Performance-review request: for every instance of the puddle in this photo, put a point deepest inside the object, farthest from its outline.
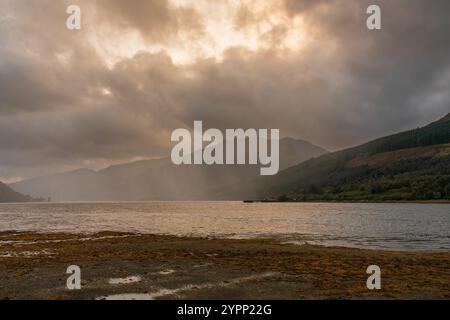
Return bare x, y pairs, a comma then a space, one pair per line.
166, 272
166, 292
212, 255
25, 254
128, 280
203, 265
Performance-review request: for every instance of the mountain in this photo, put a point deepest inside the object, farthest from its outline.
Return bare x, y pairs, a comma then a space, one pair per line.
9, 195
158, 179
411, 165
294, 151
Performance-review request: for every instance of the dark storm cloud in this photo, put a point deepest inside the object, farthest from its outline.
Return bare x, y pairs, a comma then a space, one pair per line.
156, 20
40, 65
389, 73
62, 106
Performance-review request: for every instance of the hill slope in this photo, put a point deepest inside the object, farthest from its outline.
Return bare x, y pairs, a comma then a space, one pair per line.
9, 195
412, 165
158, 179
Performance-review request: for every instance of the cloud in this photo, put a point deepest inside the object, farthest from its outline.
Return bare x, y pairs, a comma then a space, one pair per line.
156, 20
310, 68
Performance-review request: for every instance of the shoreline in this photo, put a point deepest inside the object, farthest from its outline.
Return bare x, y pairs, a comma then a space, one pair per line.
355, 201
33, 266
249, 201
280, 240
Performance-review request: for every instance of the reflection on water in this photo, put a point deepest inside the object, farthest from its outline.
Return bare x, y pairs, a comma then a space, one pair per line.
394, 226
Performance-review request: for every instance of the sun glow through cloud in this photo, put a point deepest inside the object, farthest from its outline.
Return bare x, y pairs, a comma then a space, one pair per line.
245, 24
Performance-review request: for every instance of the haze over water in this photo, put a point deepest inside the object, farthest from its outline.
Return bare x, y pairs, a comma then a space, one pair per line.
387, 226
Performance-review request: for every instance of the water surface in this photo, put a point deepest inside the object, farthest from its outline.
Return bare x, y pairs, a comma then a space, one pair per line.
388, 226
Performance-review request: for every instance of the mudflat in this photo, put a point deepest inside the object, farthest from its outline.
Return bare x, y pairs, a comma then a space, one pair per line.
136, 266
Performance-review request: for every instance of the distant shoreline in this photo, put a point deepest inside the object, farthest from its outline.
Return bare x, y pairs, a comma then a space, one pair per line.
356, 201
242, 201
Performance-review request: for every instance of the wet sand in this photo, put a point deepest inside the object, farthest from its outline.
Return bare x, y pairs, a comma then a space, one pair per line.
117, 265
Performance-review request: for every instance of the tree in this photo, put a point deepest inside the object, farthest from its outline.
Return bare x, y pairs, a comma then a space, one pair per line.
447, 191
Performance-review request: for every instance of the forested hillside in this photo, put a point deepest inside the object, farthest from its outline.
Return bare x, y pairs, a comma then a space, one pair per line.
412, 165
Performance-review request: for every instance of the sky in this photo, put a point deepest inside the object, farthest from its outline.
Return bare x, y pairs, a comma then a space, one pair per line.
115, 90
